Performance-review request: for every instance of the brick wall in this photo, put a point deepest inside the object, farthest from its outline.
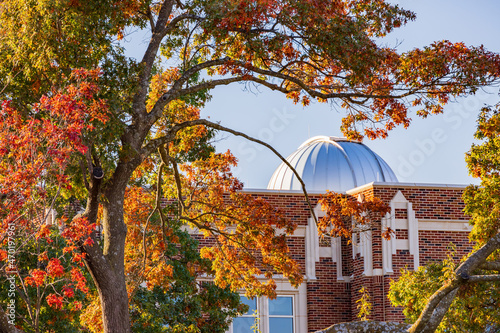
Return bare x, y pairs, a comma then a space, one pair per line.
428, 203
294, 204
431, 203
330, 301
435, 245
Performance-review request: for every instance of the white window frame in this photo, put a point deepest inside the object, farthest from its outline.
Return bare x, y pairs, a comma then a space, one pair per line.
292, 316
299, 307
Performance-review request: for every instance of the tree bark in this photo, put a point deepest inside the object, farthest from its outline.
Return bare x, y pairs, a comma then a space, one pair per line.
5, 327
107, 265
366, 326
114, 300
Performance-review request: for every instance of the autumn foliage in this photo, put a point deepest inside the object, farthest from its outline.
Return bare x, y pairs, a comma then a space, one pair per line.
118, 147
346, 215
36, 149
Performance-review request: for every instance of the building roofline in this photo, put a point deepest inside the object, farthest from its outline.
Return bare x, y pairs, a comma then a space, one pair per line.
394, 184
288, 192
360, 188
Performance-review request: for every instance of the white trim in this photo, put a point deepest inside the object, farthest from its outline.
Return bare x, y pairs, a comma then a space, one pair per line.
312, 244
402, 244
312, 249
355, 246
337, 258
399, 198
357, 189
325, 252
399, 185
413, 236
444, 225
436, 225
365, 238
388, 246
401, 224
300, 231
266, 191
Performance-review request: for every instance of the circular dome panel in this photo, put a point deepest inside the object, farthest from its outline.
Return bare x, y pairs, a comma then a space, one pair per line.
331, 163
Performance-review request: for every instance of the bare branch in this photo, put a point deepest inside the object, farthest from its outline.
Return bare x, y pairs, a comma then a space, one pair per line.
484, 278
166, 158
160, 141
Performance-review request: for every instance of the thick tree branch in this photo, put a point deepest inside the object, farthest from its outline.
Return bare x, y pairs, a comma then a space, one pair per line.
434, 301
150, 17
159, 31
477, 258
484, 278
439, 313
491, 266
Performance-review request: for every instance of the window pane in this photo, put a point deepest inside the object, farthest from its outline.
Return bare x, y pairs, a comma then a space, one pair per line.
252, 305
281, 306
243, 324
281, 325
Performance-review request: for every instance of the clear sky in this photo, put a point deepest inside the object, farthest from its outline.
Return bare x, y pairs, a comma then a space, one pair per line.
430, 151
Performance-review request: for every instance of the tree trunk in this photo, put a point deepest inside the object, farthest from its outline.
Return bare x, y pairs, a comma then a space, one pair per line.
113, 293
107, 265
114, 300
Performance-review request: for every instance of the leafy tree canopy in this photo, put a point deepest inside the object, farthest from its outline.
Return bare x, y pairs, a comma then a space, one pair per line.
98, 130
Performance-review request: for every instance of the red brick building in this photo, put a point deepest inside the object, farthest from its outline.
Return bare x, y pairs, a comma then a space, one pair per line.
426, 218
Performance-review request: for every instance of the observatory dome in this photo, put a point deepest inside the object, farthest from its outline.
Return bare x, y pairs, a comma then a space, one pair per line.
331, 163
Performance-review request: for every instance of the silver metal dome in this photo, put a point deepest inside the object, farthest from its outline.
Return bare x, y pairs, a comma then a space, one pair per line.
331, 163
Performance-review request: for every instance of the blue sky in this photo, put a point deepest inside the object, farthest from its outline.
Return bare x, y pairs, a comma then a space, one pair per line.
430, 151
